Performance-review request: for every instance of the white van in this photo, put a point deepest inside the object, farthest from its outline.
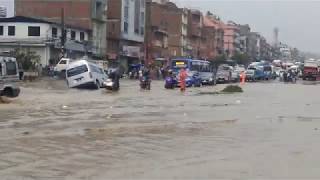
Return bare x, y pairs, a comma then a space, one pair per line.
62, 64
9, 75
83, 74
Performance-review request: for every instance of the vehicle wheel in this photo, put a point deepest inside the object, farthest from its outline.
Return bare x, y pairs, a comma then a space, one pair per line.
8, 92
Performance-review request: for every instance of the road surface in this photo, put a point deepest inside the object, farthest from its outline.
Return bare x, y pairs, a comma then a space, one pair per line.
271, 131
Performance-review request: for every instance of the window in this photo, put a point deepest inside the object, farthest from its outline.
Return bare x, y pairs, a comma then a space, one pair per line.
11, 68
142, 18
0, 69
11, 30
143, 3
54, 32
126, 13
73, 35
125, 27
33, 31
82, 36
1, 30
77, 70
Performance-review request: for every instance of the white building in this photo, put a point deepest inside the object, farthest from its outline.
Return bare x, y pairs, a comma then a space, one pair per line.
42, 37
3, 12
132, 31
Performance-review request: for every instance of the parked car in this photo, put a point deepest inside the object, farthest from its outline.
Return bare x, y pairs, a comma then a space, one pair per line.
62, 65
251, 75
224, 74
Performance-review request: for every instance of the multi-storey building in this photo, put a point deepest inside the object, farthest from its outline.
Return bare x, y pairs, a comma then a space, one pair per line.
87, 14
195, 25
41, 37
126, 31
231, 38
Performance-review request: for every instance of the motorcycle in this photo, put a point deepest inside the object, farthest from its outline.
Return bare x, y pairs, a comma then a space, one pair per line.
145, 84
170, 83
110, 85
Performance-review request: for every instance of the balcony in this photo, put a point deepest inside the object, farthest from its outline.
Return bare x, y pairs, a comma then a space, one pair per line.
196, 31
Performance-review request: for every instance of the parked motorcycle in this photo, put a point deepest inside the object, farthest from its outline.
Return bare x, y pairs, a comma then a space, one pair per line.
170, 83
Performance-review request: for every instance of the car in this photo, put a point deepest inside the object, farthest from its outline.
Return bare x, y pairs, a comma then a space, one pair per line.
207, 78
250, 75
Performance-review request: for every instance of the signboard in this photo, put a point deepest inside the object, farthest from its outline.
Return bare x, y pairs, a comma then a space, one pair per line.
131, 51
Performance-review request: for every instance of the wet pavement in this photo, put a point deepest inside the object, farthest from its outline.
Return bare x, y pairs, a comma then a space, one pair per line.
270, 131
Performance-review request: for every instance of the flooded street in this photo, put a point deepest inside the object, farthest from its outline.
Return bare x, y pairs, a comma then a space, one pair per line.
269, 131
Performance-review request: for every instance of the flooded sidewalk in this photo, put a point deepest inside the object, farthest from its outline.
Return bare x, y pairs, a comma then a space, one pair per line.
269, 131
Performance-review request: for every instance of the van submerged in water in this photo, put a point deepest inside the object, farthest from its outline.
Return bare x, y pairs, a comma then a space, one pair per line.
9, 76
84, 74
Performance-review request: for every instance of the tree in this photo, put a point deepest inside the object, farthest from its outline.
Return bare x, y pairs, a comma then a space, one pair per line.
241, 58
27, 60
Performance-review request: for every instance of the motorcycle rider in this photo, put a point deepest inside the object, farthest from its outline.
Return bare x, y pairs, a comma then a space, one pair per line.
146, 76
115, 77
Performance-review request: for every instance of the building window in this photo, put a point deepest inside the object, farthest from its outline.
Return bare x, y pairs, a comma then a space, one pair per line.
143, 3
137, 16
82, 36
11, 30
142, 31
73, 35
54, 32
34, 31
142, 18
126, 13
1, 30
125, 27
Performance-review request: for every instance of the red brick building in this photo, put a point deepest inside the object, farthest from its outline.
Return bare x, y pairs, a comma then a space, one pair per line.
167, 35
195, 28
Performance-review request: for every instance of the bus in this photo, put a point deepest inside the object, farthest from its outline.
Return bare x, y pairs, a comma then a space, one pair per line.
84, 74
199, 71
9, 76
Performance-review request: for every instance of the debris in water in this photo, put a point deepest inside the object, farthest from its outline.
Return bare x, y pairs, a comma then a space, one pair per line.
232, 89
64, 107
26, 133
238, 102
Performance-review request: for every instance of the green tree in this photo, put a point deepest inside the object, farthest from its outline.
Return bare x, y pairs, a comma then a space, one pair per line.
241, 58
27, 60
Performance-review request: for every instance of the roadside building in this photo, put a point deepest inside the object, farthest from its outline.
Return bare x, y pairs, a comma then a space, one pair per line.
244, 31
218, 25
208, 40
167, 32
126, 31
86, 14
42, 37
195, 25
231, 39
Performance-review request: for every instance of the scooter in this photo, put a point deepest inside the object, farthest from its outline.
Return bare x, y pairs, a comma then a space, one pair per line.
170, 83
145, 84
110, 85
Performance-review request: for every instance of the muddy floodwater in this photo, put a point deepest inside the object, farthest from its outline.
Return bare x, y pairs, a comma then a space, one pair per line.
271, 131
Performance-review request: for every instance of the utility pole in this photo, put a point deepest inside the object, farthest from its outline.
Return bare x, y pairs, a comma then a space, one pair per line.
63, 33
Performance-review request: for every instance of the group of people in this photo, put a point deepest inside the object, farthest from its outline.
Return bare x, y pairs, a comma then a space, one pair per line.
288, 76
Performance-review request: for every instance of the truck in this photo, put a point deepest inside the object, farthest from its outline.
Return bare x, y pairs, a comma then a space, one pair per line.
9, 76
311, 70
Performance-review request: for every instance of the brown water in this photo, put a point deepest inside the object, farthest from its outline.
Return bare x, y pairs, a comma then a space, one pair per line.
269, 131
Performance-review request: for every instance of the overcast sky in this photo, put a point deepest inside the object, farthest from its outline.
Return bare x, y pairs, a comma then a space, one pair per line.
298, 21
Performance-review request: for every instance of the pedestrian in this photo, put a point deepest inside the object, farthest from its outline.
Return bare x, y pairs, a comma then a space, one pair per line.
182, 79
